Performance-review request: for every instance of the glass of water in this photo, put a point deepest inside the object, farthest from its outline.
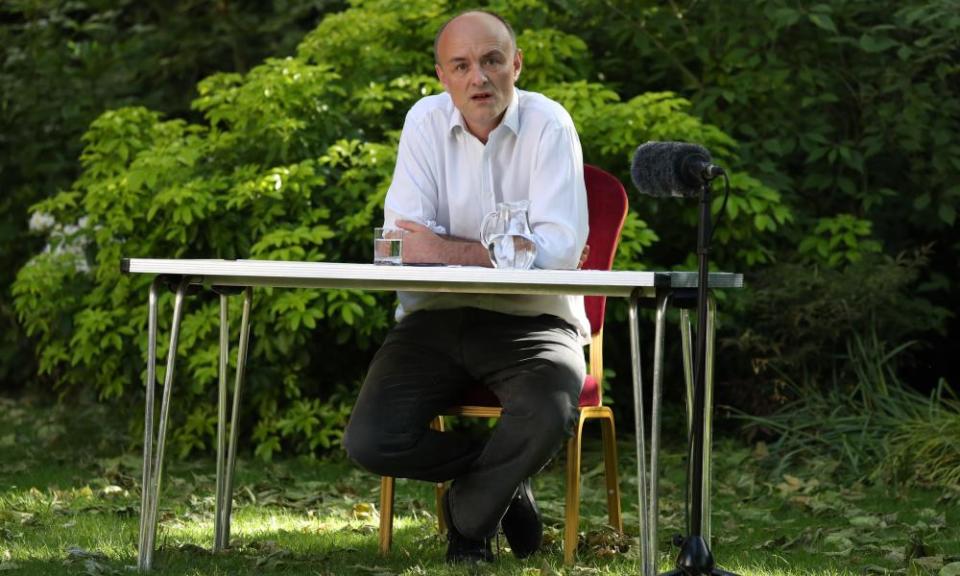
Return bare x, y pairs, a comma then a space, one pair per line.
388, 246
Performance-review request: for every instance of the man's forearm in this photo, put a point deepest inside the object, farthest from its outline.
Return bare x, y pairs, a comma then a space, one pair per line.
464, 252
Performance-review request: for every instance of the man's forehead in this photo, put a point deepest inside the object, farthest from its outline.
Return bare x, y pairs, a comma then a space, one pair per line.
464, 55
473, 31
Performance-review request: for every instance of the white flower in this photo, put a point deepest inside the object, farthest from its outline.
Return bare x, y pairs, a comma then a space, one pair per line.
41, 222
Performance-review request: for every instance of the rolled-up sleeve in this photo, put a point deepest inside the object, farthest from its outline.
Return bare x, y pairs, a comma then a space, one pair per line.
558, 199
413, 191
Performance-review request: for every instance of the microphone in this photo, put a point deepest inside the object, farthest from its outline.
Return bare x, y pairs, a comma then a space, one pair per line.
677, 169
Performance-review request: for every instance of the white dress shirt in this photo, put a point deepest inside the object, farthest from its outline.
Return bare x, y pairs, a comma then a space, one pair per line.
449, 180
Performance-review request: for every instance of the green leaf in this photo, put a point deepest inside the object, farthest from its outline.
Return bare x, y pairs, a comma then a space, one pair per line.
951, 569
823, 22
875, 44
947, 214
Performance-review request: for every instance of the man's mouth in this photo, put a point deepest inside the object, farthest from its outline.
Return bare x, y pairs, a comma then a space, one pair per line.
482, 96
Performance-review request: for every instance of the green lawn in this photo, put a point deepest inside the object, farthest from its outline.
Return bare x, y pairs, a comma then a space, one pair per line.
69, 504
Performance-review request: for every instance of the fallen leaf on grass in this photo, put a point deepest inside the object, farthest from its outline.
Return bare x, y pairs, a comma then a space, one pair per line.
13, 469
113, 491
925, 565
77, 553
547, 570
193, 549
365, 512
374, 570
930, 518
7, 563
867, 521
807, 539
951, 569
274, 559
93, 567
94, 563
605, 542
792, 484
583, 571
841, 542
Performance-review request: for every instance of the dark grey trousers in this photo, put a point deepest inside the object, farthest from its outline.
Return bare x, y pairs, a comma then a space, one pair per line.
534, 365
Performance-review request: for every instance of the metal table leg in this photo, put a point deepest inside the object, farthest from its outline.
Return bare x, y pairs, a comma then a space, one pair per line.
663, 300
153, 471
645, 552
226, 461
218, 543
143, 560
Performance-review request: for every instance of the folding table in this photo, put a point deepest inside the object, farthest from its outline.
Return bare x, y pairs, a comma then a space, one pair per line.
231, 276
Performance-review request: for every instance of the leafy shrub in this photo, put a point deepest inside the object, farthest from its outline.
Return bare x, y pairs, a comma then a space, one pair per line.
65, 62
848, 109
291, 161
797, 319
869, 422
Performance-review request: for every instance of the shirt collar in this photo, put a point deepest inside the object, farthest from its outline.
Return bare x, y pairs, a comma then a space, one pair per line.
511, 118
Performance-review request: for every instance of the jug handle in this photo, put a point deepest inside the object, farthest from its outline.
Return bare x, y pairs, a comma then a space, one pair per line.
485, 225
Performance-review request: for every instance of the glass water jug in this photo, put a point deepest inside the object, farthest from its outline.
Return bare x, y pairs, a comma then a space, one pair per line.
506, 234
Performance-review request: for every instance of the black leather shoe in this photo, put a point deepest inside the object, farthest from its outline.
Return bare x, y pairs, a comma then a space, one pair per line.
522, 524
460, 549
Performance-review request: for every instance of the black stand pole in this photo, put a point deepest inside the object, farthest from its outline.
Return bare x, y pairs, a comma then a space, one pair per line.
695, 558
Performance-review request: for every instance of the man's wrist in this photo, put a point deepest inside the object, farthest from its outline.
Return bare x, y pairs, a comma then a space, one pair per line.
464, 253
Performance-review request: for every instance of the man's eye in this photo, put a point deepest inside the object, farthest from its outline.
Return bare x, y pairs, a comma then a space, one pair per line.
460, 67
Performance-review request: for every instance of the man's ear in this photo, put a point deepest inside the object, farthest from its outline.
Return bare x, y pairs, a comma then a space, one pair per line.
517, 63
440, 77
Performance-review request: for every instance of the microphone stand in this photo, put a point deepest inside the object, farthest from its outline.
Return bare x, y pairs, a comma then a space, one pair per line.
695, 558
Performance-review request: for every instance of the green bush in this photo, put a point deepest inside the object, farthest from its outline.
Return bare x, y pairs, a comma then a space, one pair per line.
798, 317
848, 109
65, 62
868, 422
291, 161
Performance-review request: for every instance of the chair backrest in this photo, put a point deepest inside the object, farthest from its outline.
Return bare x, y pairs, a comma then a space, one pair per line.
607, 204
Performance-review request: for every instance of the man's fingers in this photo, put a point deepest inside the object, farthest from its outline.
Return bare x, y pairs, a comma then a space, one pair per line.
584, 255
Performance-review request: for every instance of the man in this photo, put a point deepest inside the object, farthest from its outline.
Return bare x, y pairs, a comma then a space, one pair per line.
480, 143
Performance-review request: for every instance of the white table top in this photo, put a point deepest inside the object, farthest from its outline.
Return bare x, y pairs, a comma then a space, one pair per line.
422, 278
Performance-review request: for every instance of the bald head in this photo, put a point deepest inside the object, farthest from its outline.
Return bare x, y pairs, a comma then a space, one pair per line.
478, 63
478, 16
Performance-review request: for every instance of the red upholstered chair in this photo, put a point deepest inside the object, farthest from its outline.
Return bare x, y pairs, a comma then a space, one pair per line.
607, 205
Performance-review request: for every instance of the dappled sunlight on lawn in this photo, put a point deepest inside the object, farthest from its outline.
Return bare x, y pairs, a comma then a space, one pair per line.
71, 505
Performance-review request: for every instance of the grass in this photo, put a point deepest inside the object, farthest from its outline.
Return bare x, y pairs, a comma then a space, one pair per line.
69, 504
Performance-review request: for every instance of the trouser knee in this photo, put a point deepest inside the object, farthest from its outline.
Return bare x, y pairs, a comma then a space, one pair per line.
546, 425
371, 449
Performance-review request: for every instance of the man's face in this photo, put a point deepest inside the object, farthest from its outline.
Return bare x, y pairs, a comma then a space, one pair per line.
478, 66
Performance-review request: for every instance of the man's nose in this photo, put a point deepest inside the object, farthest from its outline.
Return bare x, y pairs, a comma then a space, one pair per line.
479, 76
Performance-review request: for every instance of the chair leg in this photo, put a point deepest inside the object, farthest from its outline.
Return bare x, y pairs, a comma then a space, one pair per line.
608, 428
572, 509
386, 513
440, 487
387, 484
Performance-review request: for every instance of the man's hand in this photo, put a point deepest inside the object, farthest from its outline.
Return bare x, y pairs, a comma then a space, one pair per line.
420, 244
583, 256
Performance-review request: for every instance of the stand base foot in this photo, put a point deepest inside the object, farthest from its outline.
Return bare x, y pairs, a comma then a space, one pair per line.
695, 559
